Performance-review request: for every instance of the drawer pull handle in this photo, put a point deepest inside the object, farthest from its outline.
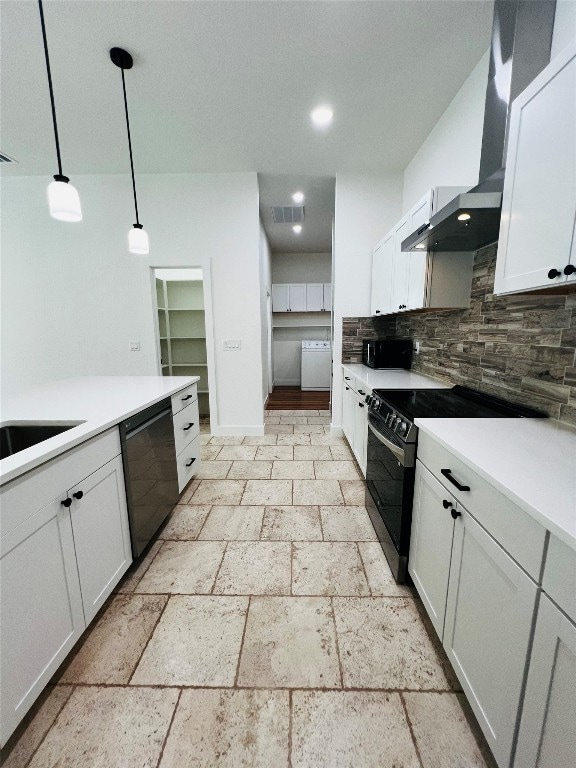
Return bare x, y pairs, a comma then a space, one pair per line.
448, 475
188, 427
78, 495
189, 463
447, 504
347, 378
67, 502
361, 392
455, 514
188, 397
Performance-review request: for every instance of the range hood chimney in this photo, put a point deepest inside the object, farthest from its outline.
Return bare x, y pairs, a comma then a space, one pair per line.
520, 49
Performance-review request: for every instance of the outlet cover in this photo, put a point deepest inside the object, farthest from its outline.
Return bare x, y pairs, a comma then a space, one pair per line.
232, 345
135, 346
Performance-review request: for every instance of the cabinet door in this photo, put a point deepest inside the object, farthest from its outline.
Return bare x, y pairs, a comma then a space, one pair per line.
399, 300
41, 608
101, 535
314, 297
431, 544
418, 215
487, 630
382, 276
297, 297
348, 404
280, 298
547, 737
360, 432
327, 297
539, 199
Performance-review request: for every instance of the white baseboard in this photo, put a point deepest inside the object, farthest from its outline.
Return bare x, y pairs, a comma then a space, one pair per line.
336, 431
287, 383
238, 431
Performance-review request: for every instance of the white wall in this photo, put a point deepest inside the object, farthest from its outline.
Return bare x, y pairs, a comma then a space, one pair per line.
301, 267
265, 310
366, 208
450, 155
73, 297
564, 25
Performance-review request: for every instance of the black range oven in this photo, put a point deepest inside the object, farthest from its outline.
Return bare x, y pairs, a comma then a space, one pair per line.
391, 455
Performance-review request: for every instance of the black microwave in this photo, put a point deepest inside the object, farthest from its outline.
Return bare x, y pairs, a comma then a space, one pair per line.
396, 353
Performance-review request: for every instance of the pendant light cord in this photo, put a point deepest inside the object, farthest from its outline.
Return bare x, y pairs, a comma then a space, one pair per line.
51, 89
130, 146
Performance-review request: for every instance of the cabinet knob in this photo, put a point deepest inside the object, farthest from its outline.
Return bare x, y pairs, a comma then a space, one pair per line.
377, 311
553, 273
78, 495
347, 378
188, 427
67, 502
569, 269
361, 405
189, 463
447, 504
455, 514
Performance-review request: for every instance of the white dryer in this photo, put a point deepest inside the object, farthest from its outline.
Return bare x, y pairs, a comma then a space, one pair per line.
316, 365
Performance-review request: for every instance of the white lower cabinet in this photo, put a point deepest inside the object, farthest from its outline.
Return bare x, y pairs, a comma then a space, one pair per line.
431, 544
547, 737
355, 418
489, 614
101, 534
60, 558
42, 615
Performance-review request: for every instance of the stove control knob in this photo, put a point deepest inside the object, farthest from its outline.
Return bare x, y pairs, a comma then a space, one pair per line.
402, 429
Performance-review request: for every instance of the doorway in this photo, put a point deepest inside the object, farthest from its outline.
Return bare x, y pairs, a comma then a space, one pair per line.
181, 328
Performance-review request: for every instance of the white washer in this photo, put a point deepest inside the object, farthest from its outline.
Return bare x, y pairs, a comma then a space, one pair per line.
316, 365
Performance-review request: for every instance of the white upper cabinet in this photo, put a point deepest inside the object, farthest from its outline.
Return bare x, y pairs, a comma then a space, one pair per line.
382, 274
401, 268
403, 281
315, 297
537, 245
301, 297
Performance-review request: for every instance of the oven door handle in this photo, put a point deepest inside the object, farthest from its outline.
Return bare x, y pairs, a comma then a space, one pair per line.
394, 449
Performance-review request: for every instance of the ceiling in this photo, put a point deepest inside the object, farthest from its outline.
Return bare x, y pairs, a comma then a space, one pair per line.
316, 234
228, 86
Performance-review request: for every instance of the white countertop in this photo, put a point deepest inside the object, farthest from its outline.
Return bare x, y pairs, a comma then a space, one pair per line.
100, 402
531, 461
393, 378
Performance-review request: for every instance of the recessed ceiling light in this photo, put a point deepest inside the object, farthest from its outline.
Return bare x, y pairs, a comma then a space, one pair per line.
464, 217
322, 116
298, 197
421, 245
297, 228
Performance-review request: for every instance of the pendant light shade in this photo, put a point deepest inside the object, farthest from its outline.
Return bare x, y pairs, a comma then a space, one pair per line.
137, 236
138, 240
63, 198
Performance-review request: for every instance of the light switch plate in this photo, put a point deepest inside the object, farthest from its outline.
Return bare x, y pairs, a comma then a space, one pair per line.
232, 345
135, 346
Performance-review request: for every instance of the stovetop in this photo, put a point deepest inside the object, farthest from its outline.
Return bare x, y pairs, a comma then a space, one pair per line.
396, 409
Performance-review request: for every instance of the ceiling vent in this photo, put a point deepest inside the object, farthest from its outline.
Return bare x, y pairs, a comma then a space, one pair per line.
288, 214
5, 159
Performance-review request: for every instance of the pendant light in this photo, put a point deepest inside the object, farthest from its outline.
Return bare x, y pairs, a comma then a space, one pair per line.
63, 198
137, 236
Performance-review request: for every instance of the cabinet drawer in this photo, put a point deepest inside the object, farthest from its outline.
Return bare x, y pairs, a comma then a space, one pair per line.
27, 494
560, 576
184, 397
186, 426
188, 462
513, 528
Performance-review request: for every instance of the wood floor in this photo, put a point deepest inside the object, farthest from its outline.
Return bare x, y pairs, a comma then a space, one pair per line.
293, 398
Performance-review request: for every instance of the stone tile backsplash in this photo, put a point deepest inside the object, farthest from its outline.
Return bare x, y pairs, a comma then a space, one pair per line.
521, 348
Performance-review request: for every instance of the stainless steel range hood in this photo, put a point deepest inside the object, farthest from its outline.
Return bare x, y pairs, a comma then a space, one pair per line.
520, 49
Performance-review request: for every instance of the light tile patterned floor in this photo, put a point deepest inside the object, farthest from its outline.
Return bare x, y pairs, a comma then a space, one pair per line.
263, 629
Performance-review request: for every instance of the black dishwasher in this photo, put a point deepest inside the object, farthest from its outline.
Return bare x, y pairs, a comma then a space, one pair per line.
150, 472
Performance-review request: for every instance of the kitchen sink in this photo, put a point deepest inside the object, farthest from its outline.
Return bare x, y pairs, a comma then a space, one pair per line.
18, 436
